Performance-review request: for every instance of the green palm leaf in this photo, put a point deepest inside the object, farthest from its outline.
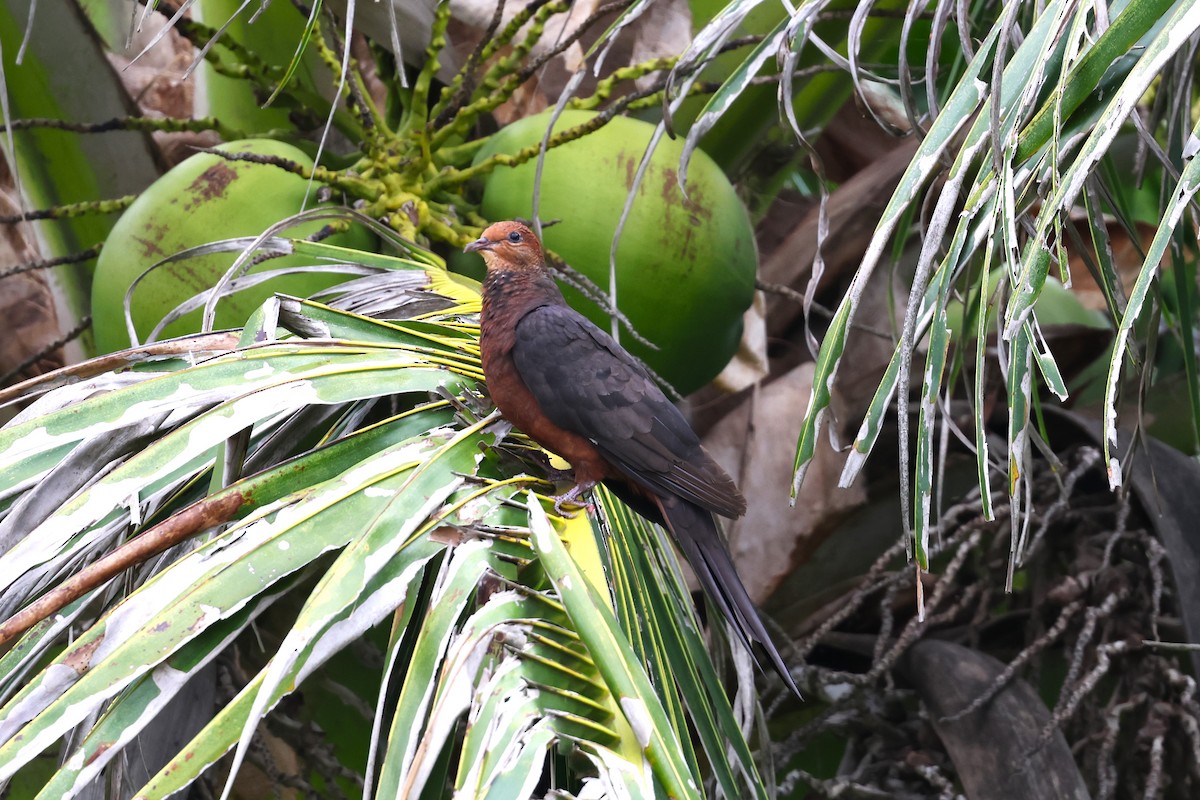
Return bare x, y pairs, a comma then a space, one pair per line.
523, 648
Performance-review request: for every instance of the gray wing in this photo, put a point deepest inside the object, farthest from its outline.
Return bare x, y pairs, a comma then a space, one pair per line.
587, 383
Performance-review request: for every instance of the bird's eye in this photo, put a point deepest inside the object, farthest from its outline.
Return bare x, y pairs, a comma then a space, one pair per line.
514, 237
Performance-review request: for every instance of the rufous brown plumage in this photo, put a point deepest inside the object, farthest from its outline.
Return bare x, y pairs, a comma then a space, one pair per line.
574, 390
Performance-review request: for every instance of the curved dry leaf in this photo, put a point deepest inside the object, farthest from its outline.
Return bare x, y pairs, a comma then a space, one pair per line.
32, 323
750, 364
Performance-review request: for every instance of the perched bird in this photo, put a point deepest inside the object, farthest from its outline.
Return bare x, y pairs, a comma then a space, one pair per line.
571, 388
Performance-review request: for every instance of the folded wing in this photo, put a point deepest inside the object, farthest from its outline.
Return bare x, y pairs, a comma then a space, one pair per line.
587, 383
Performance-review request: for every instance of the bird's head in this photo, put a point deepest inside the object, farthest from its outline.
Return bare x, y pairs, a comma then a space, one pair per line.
508, 246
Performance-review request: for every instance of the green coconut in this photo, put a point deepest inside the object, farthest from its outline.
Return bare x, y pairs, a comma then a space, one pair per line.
203, 199
685, 265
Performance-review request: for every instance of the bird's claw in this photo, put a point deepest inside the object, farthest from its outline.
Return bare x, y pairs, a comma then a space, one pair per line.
562, 512
571, 497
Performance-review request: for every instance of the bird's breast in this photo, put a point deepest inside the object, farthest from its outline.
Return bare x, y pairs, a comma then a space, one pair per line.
503, 308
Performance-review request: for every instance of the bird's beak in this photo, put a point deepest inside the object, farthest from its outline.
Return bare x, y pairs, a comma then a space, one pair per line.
482, 243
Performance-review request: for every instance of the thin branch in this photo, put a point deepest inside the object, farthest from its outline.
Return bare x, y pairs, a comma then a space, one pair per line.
67, 337
50, 263
192, 520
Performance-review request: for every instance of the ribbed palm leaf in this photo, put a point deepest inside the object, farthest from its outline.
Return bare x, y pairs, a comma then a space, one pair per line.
525, 650
1023, 128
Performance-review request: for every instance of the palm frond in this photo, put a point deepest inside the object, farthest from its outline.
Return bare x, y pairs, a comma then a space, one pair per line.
1025, 127
378, 488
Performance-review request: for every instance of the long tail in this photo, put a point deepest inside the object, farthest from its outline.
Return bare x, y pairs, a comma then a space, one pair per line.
696, 533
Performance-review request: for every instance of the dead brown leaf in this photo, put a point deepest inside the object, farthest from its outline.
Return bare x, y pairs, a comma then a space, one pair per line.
756, 444
27, 305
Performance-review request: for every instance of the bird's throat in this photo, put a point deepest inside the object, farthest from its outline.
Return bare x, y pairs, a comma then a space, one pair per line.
508, 295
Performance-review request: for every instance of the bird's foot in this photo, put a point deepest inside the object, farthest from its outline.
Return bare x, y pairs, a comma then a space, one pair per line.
571, 497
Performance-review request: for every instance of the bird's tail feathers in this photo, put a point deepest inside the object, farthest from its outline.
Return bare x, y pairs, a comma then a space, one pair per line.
695, 531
